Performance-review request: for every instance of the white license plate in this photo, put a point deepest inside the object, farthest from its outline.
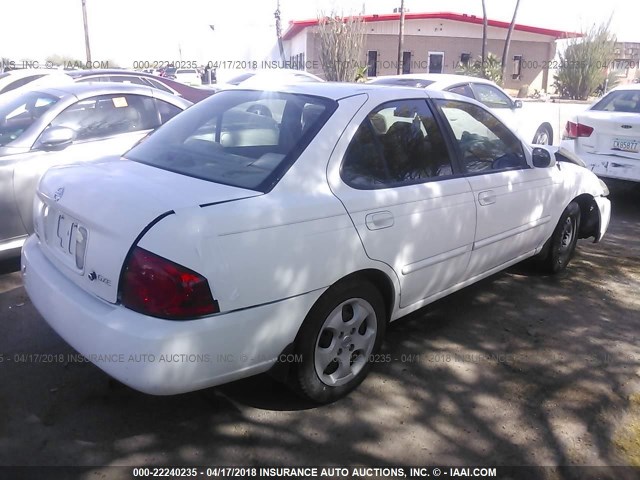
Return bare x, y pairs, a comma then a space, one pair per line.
71, 238
625, 145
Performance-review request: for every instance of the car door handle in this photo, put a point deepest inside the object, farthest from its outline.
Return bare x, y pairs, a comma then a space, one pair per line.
487, 198
379, 220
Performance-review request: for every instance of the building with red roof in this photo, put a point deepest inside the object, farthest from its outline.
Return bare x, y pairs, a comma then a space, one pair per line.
435, 43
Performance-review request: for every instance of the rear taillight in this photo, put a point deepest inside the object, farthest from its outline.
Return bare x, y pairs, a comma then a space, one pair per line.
575, 130
161, 288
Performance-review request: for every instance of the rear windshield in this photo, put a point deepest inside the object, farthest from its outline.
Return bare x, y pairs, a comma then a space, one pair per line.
18, 111
623, 101
242, 138
403, 82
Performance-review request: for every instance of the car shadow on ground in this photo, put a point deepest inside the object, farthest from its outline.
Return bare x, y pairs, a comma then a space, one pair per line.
518, 369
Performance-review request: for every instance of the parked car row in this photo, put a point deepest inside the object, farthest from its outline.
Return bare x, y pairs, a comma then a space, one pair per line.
29, 79
281, 229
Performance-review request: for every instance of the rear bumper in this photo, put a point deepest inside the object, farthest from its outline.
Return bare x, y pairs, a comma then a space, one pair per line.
155, 356
608, 166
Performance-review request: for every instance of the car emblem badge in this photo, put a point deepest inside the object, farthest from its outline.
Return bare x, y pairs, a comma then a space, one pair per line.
627, 126
58, 195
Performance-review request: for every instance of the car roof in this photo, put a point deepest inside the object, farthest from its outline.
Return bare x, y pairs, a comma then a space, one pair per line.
626, 86
337, 90
95, 88
101, 71
442, 79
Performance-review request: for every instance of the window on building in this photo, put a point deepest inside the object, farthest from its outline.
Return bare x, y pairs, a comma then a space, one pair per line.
372, 63
465, 58
517, 67
436, 62
406, 62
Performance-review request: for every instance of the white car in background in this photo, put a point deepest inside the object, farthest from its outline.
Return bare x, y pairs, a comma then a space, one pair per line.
188, 76
532, 126
231, 242
607, 135
266, 77
15, 79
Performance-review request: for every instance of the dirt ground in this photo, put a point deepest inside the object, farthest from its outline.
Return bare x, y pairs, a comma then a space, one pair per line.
520, 369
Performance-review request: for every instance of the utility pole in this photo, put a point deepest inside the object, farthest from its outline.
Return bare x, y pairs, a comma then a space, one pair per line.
86, 31
400, 38
279, 31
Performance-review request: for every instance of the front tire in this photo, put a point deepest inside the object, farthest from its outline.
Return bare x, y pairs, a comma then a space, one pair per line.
336, 342
559, 249
543, 136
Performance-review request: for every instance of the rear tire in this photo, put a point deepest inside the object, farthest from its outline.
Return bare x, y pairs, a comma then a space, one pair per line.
559, 249
337, 340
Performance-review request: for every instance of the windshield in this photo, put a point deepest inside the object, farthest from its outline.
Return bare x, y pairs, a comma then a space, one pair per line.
403, 82
242, 138
623, 101
19, 111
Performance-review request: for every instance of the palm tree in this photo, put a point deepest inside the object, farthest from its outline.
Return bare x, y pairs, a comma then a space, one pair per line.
484, 34
507, 42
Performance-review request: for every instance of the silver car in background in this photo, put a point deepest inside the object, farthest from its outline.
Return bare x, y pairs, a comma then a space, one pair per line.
68, 124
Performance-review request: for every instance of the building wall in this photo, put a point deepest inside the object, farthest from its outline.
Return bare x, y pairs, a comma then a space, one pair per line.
534, 55
451, 38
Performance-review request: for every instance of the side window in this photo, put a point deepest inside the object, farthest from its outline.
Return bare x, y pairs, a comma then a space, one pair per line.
485, 143
491, 96
462, 90
106, 115
166, 110
399, 143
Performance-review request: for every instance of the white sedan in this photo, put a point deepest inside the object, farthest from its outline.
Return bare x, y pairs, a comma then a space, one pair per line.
282, 230
607, 135
529, 123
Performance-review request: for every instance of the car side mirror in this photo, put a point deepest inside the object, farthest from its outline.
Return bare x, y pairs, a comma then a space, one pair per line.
517, 104
56, 138
542, 158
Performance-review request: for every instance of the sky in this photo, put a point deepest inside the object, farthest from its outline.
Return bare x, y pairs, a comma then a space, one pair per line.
127, 31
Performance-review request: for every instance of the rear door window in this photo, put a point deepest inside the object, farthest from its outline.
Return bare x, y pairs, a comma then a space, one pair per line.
399, 143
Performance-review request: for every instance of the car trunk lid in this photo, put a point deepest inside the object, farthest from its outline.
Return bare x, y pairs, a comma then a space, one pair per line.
88, 217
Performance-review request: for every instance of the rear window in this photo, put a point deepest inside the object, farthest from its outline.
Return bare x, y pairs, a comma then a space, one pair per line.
622, 101
403, 82
186, 71
246, 139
